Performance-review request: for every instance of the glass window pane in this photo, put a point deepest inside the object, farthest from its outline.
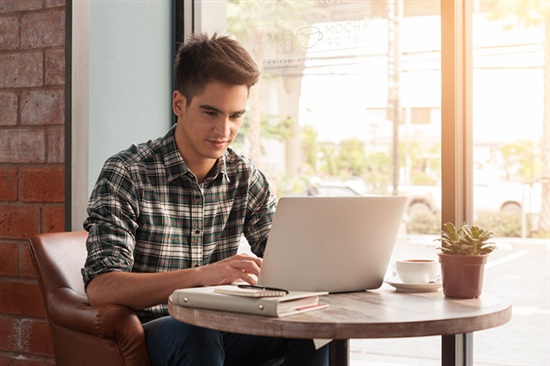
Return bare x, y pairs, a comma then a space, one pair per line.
350, 104
349, 97
510, 100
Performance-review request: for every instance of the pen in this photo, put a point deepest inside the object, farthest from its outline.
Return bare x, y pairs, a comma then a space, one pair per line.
256, 287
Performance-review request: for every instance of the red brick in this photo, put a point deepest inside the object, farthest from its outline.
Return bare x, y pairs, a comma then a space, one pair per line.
21, 298
19, 70
35, 337
55, 67
9, 254
9, 183
56, 144
43, 184
9, 328
27, 266
19, 222
9, 33
43, 107
10, 6
43, 29
26, 336
23, 145
8, 112
54, 219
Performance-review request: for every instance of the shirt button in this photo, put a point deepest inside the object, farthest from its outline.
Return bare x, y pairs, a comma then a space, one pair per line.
196, 265
197, 231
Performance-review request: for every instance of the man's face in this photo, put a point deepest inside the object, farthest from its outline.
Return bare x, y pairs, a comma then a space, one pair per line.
210, 123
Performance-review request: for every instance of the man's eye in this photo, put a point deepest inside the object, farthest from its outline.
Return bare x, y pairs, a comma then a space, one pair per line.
211, 113
236, 116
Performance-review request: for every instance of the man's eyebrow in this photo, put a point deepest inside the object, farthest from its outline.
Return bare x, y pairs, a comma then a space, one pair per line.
214, 109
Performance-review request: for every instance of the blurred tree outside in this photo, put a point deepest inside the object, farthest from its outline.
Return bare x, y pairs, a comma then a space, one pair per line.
378, 174
310, 150
328, 160
351, 159
421, 163
521, 162
265, 29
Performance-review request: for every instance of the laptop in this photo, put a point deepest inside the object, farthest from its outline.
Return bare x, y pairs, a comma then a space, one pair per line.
333, 244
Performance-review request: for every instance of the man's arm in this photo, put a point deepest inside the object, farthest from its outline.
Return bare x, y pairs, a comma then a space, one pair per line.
143, 290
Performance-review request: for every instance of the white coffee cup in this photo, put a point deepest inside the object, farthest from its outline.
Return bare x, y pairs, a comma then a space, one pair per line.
417, 270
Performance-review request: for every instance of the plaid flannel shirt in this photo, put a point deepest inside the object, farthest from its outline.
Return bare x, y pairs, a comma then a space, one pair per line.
148, 213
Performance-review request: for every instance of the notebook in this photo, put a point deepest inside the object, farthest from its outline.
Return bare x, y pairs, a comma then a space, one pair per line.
333, 244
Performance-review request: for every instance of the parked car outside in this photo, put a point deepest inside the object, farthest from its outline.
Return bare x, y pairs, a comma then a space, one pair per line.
500, 198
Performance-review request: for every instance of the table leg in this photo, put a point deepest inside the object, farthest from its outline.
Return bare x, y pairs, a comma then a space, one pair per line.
339, 352
457, 350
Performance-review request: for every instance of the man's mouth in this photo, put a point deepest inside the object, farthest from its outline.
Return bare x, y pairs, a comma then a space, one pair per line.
217, 144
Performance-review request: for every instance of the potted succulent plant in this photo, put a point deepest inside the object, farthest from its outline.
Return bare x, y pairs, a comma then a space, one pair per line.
463, 254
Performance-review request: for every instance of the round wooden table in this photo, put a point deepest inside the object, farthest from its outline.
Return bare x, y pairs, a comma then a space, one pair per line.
383, 313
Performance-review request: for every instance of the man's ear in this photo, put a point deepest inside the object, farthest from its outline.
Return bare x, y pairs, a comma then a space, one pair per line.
178, 103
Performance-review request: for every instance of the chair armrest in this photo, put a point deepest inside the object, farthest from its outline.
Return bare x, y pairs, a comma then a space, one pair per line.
116, 323
69, 310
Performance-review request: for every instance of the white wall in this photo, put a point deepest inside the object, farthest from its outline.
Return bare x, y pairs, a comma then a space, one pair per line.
122, 84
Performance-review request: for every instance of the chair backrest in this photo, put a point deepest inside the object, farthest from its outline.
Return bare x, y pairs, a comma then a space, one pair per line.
59, 258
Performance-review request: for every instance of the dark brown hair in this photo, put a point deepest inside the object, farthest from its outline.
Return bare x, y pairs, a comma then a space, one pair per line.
201, 60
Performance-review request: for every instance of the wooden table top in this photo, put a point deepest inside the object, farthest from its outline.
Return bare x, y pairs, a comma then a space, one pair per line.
382, 313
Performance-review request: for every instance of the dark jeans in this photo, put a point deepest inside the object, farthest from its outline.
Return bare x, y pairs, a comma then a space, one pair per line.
171, 342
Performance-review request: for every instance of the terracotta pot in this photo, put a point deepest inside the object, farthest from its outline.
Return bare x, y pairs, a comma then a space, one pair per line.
462, 275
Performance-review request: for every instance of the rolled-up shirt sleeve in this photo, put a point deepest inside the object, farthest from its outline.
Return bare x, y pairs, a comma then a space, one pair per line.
111, 222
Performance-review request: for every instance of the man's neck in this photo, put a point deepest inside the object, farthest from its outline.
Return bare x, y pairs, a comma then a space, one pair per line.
201, 172
200, 167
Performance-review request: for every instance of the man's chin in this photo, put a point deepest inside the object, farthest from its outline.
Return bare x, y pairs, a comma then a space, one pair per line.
215, 155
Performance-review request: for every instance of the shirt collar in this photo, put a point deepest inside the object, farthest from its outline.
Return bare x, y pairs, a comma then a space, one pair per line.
175, 165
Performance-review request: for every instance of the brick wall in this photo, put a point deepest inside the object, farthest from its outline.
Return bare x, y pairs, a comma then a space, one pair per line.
32, 104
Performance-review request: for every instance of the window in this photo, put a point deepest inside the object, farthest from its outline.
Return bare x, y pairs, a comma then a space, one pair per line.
354, 95
509, 135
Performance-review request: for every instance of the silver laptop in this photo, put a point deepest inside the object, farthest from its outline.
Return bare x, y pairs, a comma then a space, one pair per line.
334, 244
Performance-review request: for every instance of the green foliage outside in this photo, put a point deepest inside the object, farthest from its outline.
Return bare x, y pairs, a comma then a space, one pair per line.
520, 161
422, 222
378, 175
503, 224
508, 224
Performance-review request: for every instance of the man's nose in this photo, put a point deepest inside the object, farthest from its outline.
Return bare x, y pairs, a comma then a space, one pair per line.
223, 126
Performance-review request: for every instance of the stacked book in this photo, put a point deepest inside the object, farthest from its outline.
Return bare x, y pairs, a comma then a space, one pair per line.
249, 299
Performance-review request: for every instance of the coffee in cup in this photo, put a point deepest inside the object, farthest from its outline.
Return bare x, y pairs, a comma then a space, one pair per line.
417, 270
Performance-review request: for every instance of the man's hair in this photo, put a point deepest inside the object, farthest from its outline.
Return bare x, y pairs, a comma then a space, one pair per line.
201, 60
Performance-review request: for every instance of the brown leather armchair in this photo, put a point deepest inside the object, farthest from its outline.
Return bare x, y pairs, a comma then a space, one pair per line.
82, 334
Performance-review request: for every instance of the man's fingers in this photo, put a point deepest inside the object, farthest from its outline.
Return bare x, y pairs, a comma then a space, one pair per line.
239, 267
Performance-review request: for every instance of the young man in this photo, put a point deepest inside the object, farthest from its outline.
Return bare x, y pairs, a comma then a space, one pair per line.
170, 213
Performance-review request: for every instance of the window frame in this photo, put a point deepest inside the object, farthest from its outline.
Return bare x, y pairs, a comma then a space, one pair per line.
456, 112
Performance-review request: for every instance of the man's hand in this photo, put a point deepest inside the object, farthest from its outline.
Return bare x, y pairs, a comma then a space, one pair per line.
238, 267
142, 290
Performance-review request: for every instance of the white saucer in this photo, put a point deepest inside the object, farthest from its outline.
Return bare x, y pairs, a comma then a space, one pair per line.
413, 287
